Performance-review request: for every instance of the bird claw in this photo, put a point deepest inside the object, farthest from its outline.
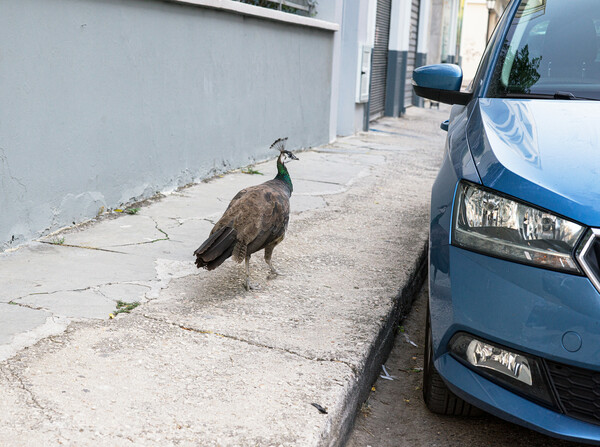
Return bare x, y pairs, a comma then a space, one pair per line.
274, 274
249, 286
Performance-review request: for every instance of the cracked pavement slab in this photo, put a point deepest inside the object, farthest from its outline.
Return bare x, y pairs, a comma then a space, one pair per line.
201, 361
117, 233
162, 385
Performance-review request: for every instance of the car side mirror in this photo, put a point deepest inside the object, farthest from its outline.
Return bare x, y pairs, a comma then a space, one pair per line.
440, 82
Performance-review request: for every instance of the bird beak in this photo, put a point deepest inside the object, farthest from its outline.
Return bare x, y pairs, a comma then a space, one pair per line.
292, 156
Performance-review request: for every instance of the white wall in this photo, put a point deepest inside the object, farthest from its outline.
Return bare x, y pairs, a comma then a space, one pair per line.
434, 50
474, 37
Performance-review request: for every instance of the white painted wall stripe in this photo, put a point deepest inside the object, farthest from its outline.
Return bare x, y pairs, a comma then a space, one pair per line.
454, 5
424, 16
371, 18
260, 12
400, 25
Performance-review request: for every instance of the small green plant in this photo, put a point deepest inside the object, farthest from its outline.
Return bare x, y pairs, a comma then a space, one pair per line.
250, 170
57, 241
123, 307
127, 210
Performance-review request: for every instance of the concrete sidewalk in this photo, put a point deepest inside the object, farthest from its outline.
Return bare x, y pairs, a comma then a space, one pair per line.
201, 361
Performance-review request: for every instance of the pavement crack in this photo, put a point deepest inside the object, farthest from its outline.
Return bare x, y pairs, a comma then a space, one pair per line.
166, 238
94, 288
28, 306
18, 380
320, 181
253, 343
177, 219
82, 246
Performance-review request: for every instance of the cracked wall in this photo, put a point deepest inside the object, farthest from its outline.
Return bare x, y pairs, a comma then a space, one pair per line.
109, 102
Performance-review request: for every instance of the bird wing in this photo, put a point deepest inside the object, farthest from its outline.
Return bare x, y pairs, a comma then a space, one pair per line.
258, 214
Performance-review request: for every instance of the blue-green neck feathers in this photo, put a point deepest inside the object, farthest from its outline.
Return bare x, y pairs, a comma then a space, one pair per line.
283, 174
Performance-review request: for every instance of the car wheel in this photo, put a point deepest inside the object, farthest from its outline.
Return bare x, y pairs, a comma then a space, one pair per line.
438, 398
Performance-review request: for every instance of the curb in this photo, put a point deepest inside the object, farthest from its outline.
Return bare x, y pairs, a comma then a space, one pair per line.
379, 350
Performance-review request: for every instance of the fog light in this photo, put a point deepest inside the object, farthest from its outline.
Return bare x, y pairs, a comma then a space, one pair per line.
519, 372
482, 355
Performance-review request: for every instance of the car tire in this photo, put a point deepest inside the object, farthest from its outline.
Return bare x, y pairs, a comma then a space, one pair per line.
438, 398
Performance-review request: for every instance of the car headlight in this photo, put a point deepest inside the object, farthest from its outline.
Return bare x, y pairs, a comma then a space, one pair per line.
493, 224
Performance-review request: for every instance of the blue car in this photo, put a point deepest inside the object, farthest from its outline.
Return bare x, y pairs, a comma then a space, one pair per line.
513, 325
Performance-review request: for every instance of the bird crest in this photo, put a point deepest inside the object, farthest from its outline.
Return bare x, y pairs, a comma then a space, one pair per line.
286, 155
279, 144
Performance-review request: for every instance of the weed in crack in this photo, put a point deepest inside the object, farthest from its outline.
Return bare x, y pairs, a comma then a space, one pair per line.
57, 241
250, 170
124, 307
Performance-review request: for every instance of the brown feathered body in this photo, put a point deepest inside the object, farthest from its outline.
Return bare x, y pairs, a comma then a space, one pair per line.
256, 218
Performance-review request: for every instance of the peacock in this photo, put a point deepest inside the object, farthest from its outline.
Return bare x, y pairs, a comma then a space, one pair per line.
256, 218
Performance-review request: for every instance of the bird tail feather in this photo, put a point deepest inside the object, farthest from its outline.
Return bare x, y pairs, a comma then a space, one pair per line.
216, 249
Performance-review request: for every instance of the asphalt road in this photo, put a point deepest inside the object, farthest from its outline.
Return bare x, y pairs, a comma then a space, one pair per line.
395, 414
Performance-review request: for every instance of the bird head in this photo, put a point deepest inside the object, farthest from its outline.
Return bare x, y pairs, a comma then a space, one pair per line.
285, 155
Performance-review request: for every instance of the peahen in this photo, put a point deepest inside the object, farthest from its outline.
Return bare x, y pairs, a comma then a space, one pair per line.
256, 218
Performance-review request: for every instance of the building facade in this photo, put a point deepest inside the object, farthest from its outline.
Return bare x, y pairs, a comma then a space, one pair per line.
108, 103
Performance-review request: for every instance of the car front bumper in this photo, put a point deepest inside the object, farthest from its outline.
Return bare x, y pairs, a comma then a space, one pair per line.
500, 402
521, 307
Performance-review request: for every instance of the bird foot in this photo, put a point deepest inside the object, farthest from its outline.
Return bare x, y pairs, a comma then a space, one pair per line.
250, 286
274, 274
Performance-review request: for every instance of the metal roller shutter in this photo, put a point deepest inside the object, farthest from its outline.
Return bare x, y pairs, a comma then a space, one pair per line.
412, 52
379, 59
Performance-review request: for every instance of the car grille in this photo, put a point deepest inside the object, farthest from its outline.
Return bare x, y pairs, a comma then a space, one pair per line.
588, 256
578, 391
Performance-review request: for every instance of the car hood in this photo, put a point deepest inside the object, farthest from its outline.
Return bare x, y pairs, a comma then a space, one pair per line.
546, 152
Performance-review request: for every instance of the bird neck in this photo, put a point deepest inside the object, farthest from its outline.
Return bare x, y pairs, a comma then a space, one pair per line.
283, 174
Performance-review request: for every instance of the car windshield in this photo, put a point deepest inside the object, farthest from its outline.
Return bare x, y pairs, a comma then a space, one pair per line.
551, 51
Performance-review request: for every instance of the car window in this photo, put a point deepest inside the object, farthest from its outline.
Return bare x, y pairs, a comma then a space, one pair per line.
552, 48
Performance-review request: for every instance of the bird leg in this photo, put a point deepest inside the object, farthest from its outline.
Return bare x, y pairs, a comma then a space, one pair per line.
247, 285
268, 254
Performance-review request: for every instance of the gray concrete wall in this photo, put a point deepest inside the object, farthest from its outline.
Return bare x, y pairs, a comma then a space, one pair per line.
396, 82
109, 101
328, 10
